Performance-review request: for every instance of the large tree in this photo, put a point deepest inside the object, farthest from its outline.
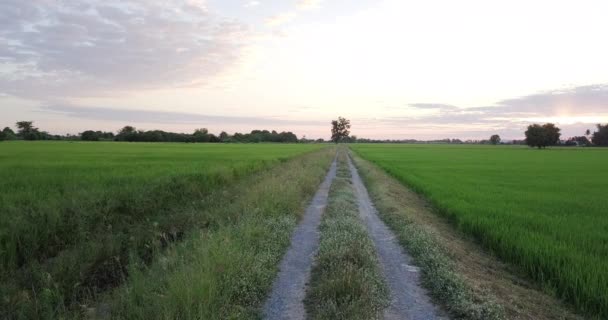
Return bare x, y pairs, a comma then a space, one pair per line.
340, 129
542, 136
495, 139
600, 137
27, 131
25, 126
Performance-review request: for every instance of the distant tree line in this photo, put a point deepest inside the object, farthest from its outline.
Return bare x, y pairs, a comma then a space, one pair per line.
131, 134
549, 135
27, 131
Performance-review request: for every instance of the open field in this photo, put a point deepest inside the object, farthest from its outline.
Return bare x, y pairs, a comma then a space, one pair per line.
544, 211
76, 219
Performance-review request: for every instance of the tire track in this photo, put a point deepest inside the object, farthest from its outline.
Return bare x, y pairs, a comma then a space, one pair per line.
408, 299
286, 300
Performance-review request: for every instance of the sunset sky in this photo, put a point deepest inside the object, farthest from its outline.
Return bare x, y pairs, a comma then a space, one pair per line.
397, 68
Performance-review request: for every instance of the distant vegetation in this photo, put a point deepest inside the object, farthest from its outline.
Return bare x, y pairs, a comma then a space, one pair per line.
27, 131
540, 136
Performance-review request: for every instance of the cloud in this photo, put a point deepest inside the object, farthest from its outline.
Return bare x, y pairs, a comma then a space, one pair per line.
285, 17
251, 4
87, 47
585, 100
308, 4
433, 106
163, 117
573, 109
280, 19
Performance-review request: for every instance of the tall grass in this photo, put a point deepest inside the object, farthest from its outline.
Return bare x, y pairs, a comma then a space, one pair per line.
75, 217
544, 211
225, 272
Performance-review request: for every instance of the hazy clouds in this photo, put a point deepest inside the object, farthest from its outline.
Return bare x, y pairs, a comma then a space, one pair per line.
127, 115
71, 48
509, 116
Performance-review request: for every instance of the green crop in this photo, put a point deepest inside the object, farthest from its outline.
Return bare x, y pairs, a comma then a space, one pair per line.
74, 217
542, 210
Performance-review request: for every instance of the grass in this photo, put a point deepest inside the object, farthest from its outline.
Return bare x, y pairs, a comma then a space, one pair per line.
439, 273
346, 282
77, 219
543, 211
226, 272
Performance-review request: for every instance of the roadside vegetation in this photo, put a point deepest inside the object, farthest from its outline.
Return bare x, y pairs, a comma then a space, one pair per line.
226, 270
346, 281
530, 208
78, 219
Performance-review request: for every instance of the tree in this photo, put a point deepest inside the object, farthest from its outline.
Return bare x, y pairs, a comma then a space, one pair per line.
552, 134
495, 139
90, 135
224, 136
7, 134
535, 136
128, 133
8, 131
26, 129
25, 126
542, 136
201, 135
600, 137
340, 129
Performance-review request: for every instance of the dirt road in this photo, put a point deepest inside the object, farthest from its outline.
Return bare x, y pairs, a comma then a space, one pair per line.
408, 299
286, 300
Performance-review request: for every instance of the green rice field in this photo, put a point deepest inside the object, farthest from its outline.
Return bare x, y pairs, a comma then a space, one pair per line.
545, 211
75, 217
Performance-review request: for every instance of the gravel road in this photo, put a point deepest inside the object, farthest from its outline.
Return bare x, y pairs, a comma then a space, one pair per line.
286, 300
408, 299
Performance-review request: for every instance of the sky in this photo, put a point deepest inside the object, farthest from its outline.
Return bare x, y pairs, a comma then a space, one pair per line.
398, 69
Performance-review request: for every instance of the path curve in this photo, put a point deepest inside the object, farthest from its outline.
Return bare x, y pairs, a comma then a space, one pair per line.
286, 300
408, 299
